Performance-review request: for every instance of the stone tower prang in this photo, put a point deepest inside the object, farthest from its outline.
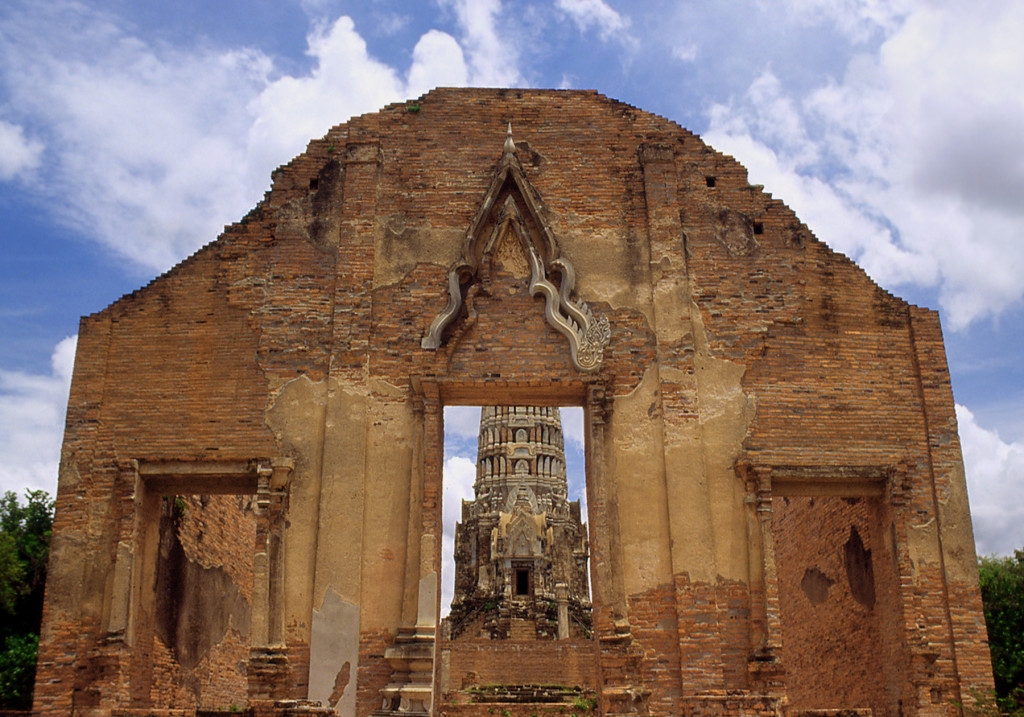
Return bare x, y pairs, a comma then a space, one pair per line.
521, 549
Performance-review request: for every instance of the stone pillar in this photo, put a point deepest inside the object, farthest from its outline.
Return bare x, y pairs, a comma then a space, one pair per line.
562, 599
108, 662
121, 588
268, 669
688, 552
766, 663
430, 535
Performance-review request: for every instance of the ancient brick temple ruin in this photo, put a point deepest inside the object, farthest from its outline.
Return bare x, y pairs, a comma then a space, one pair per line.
520, 569
249, 504
521, 549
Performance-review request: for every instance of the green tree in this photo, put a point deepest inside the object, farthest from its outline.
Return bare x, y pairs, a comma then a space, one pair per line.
12, 574
1002, 594
24, 553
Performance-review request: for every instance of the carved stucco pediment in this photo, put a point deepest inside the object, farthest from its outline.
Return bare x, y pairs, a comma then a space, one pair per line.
509, 229
524, 534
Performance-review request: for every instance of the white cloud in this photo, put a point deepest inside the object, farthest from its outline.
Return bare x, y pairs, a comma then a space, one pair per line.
32, 409
686, 52
154, 148
830, 213
493, 57
859, 20
995, 480
459, 475
18, 154
142, 141
437, 61
595, 13
572, 426
463, 421
344, 81
911, 163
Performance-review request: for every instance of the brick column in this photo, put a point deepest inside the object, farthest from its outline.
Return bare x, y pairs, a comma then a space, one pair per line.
413, 654
692, 562
950, 657
608, 598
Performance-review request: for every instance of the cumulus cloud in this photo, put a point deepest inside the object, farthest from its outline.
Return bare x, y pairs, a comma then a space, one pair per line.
859, 20
493, 57
995, 478
142, 141
18, 154
154, 148
345, 80
462, 421
598, 14
32, 409
437, 61
910, 162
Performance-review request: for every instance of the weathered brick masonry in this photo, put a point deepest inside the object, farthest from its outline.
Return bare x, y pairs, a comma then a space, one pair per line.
250, 491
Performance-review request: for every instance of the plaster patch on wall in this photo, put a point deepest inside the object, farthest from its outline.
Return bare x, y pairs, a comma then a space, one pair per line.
379, 386
923, 545
294, 400
726, 412
333, 646
426, 613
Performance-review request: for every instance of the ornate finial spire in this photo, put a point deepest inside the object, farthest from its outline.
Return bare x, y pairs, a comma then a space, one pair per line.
510, 146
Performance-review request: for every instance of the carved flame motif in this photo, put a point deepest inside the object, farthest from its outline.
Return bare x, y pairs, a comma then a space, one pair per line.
433, 338
588, 334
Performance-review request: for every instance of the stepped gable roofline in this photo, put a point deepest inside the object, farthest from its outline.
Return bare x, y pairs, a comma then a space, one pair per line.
366, 128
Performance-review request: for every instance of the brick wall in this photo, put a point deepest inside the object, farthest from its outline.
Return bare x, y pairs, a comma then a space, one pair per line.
204, 594
339, 272
840, 614
571, 663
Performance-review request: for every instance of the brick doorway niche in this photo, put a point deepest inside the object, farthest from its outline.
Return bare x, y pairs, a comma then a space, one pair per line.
520, 627
203, 559
838, 587
419, 677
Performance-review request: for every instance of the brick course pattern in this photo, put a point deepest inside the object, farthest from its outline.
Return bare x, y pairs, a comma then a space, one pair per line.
769, 434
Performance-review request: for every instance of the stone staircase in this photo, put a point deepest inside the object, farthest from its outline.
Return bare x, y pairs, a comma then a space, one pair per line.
521, 701
522, 630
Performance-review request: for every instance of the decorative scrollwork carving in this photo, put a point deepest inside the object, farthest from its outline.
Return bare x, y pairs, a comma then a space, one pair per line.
433, 338
588, 335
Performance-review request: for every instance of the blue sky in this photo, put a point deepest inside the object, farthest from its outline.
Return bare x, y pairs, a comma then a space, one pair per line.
132, 132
